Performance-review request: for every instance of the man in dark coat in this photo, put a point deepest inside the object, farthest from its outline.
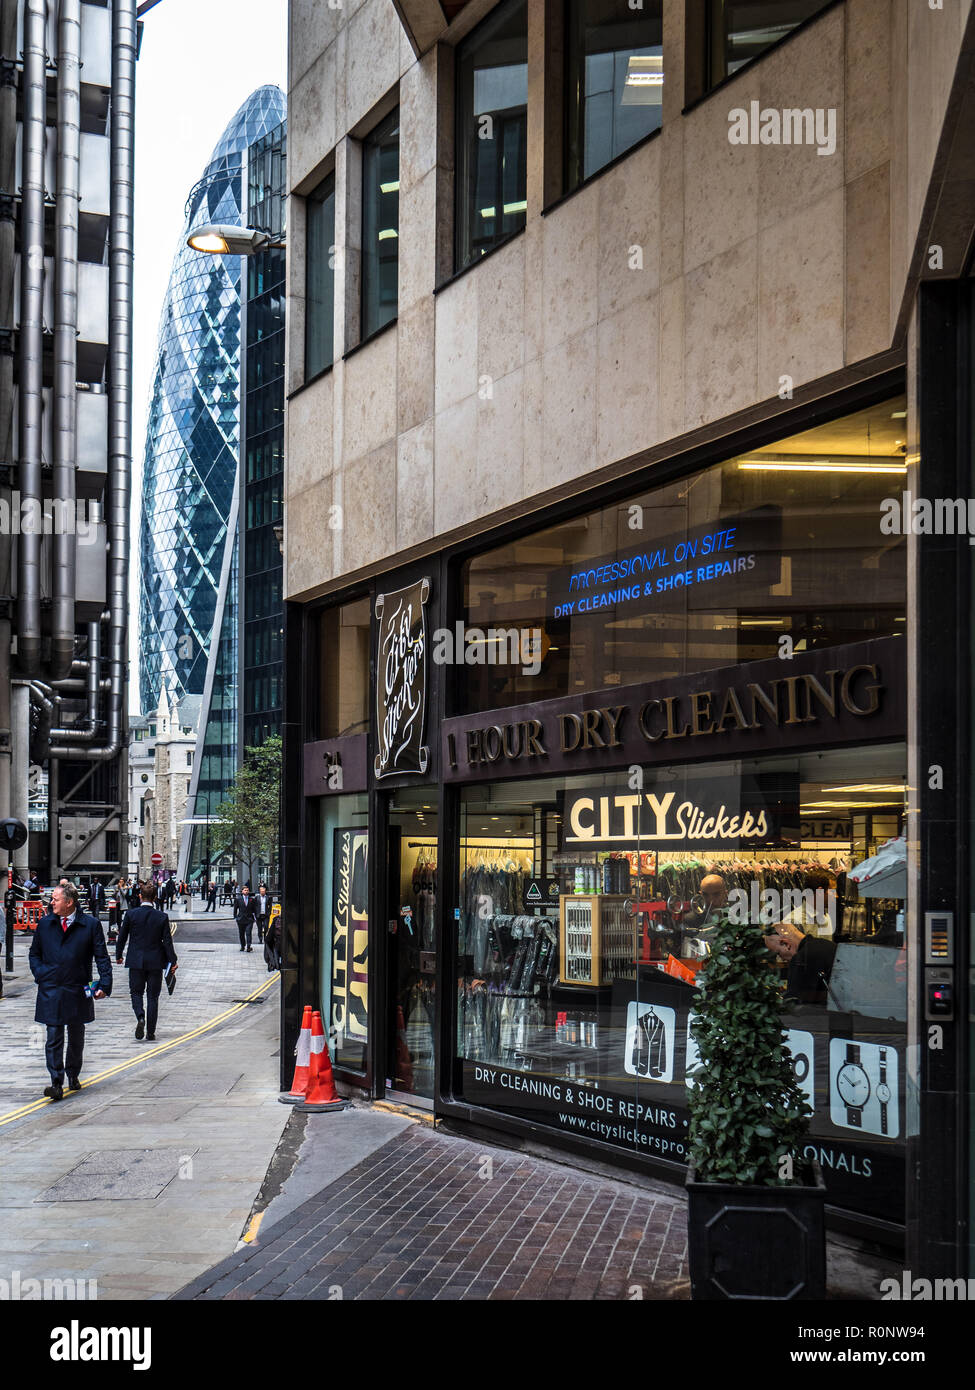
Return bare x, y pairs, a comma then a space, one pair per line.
61, 954
245, 912
97, 894
150, 951
212, 898
809, 960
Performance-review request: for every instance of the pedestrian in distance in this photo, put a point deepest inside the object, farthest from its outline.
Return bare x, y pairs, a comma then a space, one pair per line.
245, 913
263, 908
151, 951
212, 898
65, 944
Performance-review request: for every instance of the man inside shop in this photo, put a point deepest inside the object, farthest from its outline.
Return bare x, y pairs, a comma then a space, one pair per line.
813, 917
714, 891
809, 959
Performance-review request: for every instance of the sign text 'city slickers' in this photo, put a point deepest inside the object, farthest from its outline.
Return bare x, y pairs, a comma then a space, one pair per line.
829, 697
401, 680
710, 815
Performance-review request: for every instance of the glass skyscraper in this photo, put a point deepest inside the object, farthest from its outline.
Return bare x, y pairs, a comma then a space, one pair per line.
188, 535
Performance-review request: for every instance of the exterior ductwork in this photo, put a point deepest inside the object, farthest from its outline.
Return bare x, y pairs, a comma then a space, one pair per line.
66, 330
120, 386
31, 331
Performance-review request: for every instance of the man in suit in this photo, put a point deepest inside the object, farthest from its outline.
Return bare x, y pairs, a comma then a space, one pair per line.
97, 897
146, 929
245, 912
212, 898
65, 943
262, 906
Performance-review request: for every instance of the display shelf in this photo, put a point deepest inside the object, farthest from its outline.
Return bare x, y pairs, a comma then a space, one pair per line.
597, 940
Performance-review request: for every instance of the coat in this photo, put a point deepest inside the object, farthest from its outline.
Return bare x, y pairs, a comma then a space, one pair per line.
61, 963
245, 912
146, 929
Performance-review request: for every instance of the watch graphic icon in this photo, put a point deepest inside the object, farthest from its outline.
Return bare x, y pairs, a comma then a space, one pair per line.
853, 1085
863, 1086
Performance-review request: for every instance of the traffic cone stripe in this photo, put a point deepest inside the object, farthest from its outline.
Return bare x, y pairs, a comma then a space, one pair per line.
321, 1093
303, 1049
299, 1083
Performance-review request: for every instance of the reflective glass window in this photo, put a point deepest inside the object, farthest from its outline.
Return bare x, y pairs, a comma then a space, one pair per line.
492, 96
380, 224
615, 81
739, 30
320, 278
782, 541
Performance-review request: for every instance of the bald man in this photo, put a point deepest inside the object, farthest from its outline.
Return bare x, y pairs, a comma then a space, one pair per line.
714, 891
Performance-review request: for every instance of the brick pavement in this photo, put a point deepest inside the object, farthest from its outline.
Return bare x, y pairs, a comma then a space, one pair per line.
433, 1216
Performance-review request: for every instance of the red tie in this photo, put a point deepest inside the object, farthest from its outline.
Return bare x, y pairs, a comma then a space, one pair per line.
64, 924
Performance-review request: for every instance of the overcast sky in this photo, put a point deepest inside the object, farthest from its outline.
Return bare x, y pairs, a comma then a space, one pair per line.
198, 63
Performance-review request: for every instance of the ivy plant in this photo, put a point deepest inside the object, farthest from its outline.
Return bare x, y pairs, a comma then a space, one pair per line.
748, 1111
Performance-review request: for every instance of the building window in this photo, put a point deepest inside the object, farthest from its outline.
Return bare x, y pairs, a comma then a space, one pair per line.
380, 225
492, 97
189, 759
615, 81
320, 278
739, 30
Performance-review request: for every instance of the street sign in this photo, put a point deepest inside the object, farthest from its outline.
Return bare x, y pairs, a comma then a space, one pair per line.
156, 859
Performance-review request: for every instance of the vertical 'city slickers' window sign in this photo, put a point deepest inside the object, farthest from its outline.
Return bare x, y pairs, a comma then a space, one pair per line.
350, 947
401, 683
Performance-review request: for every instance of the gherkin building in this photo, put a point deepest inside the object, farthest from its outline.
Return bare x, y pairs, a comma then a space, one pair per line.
188, 536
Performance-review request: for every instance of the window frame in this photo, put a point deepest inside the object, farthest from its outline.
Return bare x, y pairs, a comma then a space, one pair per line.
319, 196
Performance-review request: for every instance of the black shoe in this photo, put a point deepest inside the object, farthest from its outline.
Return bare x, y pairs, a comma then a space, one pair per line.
150, 1037
55, 1091
248, 950
241, 948
74, 1084
140, 1030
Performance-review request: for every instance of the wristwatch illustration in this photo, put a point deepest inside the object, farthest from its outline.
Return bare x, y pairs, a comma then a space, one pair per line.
853, 1085
883, 1090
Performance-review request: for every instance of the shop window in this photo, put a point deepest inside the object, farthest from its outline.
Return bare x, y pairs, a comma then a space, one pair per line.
343, 694
615, 81
345, 929
779, 548
380, 225
492, 104
740, 30
587, 911
320, 278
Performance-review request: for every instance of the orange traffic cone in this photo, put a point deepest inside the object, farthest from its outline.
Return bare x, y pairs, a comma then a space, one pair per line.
302, 1062
321, 1093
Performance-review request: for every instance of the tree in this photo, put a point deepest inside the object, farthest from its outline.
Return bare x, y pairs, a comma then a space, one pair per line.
250, 813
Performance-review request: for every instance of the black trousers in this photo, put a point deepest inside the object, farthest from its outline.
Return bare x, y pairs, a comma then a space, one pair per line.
211, 905
57, 1063
249, 928
148, 982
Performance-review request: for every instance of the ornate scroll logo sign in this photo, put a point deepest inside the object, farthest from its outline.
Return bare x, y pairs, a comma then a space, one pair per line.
401, 684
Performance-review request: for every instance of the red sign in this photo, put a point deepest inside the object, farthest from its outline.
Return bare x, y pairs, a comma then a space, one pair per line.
156, 859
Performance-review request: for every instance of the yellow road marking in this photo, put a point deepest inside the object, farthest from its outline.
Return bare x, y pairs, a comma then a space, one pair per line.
251, 1232
32, 1106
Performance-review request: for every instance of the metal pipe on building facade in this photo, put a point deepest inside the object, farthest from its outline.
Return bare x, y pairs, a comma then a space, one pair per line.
31, 331
66, 331
120, 379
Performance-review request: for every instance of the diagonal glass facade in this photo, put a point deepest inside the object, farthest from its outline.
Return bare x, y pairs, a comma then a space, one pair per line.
192, 439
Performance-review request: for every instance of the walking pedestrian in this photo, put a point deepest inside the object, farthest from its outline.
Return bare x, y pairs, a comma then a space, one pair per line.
151, 950
262, 904
245, 913
212, 898
65, 944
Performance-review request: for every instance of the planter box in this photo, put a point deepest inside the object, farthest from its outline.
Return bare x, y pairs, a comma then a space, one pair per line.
756, 1243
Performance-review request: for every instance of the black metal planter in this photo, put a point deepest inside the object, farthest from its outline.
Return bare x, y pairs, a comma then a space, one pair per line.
756, 1243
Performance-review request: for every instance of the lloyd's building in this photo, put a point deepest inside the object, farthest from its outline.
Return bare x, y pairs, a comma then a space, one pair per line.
617, 339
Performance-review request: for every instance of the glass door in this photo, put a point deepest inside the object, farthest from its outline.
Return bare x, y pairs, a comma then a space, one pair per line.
412, 942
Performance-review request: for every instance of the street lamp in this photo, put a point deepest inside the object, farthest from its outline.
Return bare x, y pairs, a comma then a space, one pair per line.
221, 240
